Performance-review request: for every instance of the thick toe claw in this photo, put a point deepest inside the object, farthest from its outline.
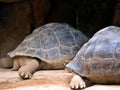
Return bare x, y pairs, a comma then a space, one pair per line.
25, 75
82, 85
72, 86
77, 82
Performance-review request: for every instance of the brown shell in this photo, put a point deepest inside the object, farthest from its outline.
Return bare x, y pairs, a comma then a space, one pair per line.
99, 58
52, 41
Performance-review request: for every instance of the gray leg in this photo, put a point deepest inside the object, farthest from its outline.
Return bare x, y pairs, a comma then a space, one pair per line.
15, 64
45, 66
28, 69
77, 81
6, 62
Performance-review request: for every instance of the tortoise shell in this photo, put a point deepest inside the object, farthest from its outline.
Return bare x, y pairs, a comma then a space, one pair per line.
53, 41
99, 59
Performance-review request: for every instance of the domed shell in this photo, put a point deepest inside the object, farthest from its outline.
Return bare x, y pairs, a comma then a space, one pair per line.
53, 41
99, 58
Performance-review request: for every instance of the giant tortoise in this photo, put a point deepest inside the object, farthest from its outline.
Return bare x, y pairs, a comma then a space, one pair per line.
50, 46
98, 60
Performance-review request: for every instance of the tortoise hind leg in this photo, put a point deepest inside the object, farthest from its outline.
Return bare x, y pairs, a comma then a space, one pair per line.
28, 67
15, 64
6, 62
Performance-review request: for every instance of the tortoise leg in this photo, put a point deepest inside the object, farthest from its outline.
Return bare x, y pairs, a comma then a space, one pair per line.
6, 62
28, 68
15, 64
76, 81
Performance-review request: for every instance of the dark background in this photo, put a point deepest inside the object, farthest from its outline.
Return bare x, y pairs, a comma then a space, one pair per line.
18, 18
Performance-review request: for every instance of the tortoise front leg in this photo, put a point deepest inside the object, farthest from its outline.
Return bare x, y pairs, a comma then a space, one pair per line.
76, 81
26, 70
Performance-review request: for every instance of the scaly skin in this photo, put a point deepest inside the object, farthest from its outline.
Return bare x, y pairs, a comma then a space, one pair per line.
76, 81
6, 62
26, 66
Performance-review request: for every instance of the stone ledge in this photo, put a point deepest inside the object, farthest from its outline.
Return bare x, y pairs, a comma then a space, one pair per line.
43, 80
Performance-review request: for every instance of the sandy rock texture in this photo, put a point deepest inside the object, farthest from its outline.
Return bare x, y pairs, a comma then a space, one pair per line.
43, 80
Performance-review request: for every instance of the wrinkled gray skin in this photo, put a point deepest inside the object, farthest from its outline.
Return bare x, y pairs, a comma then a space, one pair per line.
50, 46
98, 60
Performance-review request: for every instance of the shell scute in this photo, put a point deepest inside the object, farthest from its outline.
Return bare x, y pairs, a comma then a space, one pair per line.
52, 41
99, 58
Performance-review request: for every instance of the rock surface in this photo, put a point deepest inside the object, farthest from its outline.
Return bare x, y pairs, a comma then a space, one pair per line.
18, 19
48, 80
43, 80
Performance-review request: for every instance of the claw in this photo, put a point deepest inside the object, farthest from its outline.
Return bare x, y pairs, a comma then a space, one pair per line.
72, 86
21, 74
25, 75
76, 87
77, 82
82, 85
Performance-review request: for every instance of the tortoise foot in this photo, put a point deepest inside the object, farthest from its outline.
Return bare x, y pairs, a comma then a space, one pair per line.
25, 75
25, 72
77, 82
